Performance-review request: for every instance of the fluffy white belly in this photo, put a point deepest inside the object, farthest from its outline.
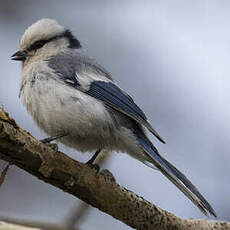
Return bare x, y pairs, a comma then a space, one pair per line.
58, 108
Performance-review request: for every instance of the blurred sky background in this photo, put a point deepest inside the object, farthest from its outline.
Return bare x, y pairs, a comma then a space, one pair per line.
173, 58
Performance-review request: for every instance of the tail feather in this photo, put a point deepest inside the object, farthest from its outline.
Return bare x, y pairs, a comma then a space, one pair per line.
175, 176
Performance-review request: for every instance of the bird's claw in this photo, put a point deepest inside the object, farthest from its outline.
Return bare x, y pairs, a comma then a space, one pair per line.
53, 138
54, 146
96, 167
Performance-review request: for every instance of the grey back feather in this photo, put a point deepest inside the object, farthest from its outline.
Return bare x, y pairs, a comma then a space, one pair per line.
68, 64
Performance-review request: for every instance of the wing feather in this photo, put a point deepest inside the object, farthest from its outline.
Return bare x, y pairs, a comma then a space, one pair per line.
113, 96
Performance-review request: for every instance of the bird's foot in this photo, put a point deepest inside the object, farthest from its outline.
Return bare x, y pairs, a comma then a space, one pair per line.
53, 146
47, 141
93, 158
96, 167
90, 162
53, 138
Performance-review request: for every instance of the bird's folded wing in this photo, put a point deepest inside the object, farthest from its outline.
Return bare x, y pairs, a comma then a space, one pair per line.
113, 96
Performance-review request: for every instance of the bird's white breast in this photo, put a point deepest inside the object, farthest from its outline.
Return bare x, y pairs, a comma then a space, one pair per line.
57, 108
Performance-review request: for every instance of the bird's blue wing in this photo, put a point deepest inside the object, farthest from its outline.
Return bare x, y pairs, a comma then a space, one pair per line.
113, 96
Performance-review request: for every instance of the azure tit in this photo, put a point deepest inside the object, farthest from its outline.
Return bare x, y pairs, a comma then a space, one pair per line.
68, 93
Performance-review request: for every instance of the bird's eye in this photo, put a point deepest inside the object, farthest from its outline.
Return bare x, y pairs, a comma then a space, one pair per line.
37, 45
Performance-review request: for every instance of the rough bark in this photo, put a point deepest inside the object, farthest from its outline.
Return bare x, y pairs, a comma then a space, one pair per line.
100, 190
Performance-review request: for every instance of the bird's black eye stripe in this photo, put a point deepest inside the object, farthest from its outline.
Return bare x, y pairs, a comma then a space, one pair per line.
73, 42
38, 44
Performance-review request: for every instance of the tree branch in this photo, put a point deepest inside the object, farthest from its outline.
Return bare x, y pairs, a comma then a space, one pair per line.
100, 190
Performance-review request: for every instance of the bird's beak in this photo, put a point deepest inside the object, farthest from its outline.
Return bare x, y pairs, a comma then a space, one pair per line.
19, 56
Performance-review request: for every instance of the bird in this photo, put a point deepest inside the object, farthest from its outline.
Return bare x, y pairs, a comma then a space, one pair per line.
68, 94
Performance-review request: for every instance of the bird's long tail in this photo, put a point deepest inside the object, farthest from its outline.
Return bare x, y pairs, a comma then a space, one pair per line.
174, 175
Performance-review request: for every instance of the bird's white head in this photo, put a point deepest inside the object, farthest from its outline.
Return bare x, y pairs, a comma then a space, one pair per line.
43, 29
44, 38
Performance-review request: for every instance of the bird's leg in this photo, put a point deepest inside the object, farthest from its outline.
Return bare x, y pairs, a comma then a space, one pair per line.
92, 159
53, 138
54, 146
